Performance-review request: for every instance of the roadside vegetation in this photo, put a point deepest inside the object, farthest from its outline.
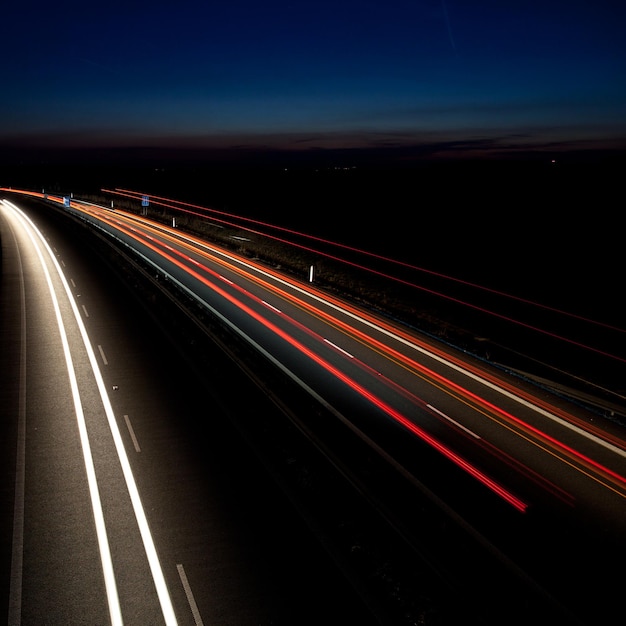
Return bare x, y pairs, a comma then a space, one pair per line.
344, 279
344, 274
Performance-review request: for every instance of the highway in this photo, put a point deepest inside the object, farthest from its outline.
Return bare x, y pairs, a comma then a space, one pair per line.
531, 485
120, 515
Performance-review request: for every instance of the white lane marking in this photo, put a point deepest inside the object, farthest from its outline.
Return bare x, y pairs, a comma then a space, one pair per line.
105, 554
140, 515
132, 433
512, 396
17, 544
486, 383
330, 343
73, 283
85, 310
192, 602
104, 359
467, 430
271, 306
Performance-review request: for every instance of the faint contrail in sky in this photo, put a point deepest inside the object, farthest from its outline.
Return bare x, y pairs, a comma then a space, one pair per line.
447, 18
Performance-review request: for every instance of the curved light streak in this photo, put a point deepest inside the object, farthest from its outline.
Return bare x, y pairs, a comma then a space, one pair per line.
142, 521
444, 383
479, 376
433, 376
396, 279
513, 500
137, 195
94, 493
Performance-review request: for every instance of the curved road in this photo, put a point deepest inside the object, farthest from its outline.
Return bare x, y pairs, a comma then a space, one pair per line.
535, 478
135, 500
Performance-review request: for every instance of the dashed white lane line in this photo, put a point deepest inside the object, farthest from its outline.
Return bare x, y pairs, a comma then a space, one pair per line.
192, 602
132, 433
104, 358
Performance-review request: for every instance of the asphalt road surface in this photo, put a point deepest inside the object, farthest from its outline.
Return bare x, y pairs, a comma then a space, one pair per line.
521, 477
229, 546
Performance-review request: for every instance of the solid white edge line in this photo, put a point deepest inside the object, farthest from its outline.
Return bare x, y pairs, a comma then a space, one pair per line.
17, 543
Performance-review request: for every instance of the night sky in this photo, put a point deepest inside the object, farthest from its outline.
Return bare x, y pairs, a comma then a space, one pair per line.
434, 78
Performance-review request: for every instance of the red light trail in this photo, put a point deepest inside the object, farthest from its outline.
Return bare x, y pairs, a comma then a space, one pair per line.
165, 252
208, 276
396, 279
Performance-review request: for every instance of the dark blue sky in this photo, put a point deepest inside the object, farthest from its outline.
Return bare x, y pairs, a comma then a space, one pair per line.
441, 77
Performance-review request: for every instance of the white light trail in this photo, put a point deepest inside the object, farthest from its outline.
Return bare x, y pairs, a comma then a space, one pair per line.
155, 567
103, 542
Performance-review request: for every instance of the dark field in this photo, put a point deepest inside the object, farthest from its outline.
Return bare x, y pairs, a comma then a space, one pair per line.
537, 230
